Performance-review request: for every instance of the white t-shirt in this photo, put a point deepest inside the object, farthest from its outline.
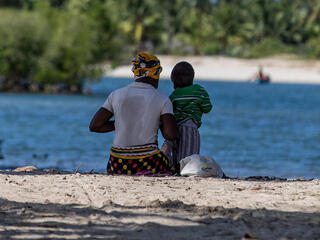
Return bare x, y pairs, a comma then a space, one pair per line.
137, 109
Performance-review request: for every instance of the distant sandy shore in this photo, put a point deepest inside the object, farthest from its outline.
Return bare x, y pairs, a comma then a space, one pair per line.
39, 205
283, 69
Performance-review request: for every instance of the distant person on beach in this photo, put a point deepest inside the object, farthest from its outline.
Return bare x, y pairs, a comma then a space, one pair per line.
139, 110
189, 101
260, 77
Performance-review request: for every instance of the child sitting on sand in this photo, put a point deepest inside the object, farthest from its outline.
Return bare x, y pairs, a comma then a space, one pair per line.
189, 102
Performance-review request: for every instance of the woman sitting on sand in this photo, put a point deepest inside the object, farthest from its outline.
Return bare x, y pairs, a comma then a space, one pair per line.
139, 110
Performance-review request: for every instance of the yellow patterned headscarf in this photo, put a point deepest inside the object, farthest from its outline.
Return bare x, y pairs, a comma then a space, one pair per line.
146, 65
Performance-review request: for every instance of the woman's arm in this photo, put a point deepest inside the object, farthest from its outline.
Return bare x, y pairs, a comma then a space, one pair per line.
101, 123
168, 127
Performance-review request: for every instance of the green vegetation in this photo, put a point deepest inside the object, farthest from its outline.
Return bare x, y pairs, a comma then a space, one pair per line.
55, 45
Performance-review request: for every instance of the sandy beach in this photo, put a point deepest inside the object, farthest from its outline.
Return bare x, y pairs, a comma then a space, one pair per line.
56, 205
281, 69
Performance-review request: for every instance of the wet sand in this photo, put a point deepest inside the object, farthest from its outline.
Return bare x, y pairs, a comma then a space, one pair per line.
281, 69
58, 205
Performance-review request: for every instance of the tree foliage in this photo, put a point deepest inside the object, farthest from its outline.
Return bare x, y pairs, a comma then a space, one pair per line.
69, 55
50, 42
23, 40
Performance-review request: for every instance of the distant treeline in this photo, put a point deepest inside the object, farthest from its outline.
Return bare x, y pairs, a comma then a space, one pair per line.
55, 45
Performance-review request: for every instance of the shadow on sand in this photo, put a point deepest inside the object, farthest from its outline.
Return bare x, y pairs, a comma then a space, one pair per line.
159, 220
53, 171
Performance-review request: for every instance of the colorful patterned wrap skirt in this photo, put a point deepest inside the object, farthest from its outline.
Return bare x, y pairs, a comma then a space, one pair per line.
147, 159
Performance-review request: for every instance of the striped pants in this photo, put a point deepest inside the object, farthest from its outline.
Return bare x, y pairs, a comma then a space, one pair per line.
188, 143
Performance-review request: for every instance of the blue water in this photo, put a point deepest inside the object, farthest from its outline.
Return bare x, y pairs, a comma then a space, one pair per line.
271, 130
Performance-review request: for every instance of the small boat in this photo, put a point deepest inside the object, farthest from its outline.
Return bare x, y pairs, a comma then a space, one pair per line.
262, 80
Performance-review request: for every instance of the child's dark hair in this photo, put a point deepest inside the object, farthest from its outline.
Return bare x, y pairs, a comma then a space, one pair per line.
182, 75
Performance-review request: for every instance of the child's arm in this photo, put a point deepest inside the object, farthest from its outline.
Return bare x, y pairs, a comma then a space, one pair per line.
206, 105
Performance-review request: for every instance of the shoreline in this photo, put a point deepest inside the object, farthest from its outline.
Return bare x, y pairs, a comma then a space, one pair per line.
33, 170
41, 205
281, 69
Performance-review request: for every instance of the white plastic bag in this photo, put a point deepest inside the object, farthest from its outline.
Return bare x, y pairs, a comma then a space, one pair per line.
199, 165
